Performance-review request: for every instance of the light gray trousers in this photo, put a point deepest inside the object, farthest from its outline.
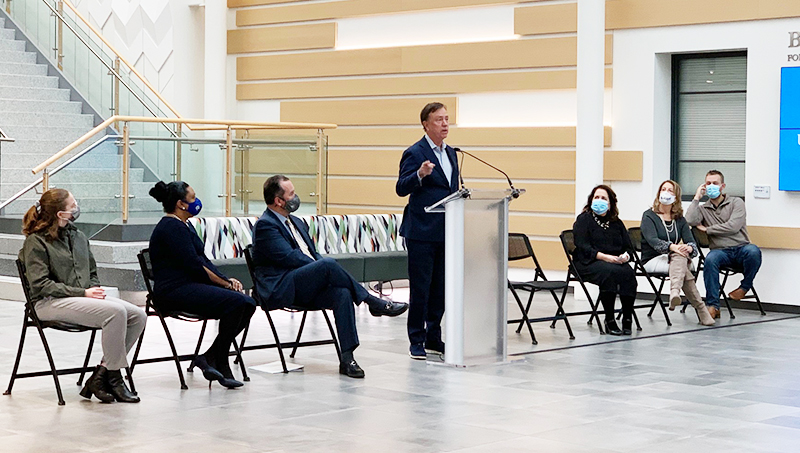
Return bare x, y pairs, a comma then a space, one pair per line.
122, 322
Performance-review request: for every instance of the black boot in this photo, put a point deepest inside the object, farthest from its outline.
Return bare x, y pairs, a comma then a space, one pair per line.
627, 313
96, 384
118, 388
607, 299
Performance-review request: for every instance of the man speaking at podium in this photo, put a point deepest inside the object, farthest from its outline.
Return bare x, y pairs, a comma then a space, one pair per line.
428, 173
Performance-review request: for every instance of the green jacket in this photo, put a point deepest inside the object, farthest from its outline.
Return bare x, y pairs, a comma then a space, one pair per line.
64, 267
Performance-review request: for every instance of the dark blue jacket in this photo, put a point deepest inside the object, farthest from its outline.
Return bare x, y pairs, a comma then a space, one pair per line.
177, 256
417, 224
275, 254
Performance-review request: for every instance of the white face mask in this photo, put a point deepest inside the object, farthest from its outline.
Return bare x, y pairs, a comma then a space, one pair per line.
666, 198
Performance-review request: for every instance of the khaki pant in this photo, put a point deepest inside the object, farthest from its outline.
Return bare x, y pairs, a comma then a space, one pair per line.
122, 322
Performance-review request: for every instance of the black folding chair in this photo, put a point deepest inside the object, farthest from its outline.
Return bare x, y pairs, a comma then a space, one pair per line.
32, 320
248, 255
519, 248
702, 242
635, 234
568, 244
152, 309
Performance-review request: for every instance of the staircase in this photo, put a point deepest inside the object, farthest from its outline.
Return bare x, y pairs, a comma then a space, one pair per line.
43, 113
44, 117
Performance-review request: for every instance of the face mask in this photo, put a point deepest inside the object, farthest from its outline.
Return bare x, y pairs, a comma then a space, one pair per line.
293, 204
194, 207
600, 206
75, 213
666, 198
712, 190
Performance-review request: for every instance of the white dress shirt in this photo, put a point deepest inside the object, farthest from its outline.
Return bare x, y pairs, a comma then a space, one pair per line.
441, 154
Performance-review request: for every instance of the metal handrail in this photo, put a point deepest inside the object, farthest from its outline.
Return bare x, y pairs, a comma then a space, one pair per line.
57, 169
110, 68
229, 126
4, 137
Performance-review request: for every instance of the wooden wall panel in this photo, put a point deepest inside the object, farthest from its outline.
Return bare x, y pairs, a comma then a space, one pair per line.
558, 165
240, 3
545, 18
277, 161
303, 186
523, 53
291, 37
357, 191
348, 210
344, 8
414, 85
540, 197
462, 137
550, 255
622, 165
363, 112
534, 225
775, 237
621, 14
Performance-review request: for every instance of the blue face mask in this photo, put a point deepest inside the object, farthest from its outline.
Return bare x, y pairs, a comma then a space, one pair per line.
194, 207
599, 206
712, 190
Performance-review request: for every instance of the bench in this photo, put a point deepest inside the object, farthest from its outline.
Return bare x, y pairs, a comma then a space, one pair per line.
368, 246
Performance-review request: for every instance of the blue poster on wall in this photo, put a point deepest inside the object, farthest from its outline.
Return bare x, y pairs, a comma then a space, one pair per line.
789, 163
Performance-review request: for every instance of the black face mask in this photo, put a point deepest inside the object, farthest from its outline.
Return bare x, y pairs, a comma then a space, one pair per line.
292, 204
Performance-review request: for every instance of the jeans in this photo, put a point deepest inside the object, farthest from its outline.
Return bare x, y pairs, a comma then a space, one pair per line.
745, 257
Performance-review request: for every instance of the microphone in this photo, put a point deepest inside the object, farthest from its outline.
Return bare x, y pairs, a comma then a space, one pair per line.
514, 190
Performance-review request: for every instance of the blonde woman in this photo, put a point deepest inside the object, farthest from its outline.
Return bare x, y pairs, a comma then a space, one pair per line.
668, 248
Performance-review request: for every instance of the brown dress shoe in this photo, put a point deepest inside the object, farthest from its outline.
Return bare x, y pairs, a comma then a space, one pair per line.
713, 312
737, 294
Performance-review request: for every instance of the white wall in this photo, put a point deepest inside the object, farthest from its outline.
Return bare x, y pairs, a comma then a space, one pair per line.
641, 122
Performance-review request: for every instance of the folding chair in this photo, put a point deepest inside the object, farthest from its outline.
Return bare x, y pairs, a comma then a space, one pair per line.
248, 255
519, 248
32, 320
635, 234
568, 244
151, 308
702, 242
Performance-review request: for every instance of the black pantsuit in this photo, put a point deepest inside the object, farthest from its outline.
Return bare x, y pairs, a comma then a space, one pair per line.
182, 284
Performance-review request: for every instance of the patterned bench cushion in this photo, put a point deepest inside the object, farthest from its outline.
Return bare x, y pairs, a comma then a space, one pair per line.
227, 237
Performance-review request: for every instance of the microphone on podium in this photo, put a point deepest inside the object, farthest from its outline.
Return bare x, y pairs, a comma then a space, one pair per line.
514, 191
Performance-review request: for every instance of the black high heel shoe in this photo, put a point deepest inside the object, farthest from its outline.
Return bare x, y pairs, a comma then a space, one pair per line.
209, 372
612, 328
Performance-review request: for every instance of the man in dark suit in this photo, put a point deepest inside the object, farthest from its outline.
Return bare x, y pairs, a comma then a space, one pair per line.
290, 273
428, 173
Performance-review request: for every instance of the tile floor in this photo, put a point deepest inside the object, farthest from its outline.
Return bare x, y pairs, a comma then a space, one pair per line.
735, 387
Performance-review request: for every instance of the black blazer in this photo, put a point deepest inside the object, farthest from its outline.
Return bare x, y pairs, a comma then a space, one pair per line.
275, 254
417, 224
177, 256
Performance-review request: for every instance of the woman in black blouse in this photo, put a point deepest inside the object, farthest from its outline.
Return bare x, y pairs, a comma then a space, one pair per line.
602, 252
187, 281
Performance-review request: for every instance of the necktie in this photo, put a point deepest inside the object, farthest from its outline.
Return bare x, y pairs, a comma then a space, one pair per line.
299, 239
444, 162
